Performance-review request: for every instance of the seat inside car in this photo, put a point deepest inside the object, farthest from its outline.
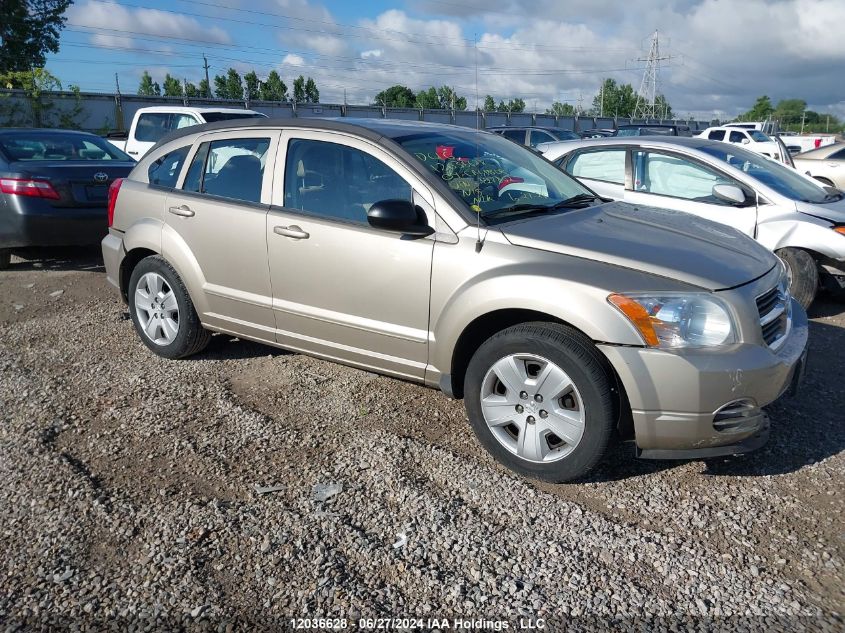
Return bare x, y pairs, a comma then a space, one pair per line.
239, 178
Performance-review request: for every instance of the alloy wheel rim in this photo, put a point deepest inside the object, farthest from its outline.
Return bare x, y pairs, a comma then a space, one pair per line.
157, 309
532, 408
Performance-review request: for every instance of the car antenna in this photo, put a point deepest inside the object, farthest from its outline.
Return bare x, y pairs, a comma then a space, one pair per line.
478, 242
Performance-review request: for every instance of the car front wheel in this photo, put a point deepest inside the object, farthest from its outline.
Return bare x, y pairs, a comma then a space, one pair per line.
540, 399
162, 311
803, 275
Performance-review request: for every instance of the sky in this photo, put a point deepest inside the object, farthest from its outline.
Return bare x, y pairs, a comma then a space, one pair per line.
722, 54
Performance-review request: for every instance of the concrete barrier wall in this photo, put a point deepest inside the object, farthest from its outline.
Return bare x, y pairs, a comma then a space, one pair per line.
103, 112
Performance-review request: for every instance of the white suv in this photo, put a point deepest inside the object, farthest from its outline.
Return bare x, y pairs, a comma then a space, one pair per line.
753, 140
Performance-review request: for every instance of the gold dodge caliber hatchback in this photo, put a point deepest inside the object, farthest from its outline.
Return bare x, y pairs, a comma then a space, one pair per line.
461, 260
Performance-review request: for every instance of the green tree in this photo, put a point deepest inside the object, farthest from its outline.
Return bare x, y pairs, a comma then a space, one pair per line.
252, 85
299, 89
312, 94
29, 29
204, 89
449, 99
234, 84
396, 97
789, 111
489, 104
274, 89
428, 99
618, 99
561, 109
172, 87
760, 111
147, 87
191, 91
38, 84
513, 105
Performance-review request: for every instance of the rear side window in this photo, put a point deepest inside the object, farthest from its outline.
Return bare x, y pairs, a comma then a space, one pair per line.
539, 136
231, 168
338, 182
736, 137
606, 165
840, 155
164, 172
716, 135
152, 126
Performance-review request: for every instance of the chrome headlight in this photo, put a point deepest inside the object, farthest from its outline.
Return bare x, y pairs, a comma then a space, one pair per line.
678, 320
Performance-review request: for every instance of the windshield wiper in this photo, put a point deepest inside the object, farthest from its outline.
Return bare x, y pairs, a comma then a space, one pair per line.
578, 200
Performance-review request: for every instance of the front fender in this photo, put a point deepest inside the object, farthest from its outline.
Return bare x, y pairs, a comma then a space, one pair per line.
808, 233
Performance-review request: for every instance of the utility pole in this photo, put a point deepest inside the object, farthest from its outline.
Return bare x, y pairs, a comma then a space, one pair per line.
601, 107
207, 84
118, 105
803, 116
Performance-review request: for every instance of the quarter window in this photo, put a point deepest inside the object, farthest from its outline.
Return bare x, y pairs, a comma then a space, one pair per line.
233, 168
736, 137
608, 165
840, 155
674, 176
716, 135
538, 136
338, 182
164, 172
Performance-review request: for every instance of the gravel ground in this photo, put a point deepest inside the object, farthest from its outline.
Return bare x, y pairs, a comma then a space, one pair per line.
128, 492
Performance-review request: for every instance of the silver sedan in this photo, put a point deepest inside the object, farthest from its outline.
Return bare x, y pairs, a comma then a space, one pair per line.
783, 209
825, 164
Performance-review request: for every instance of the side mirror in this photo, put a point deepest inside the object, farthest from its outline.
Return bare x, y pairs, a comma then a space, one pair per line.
400, 216
745, 141
729, 193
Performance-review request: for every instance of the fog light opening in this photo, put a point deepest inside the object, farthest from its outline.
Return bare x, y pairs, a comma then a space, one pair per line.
734, 414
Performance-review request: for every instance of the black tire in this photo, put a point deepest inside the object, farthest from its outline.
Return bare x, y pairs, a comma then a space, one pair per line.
191, 337
5, 258
576, 355
804, 275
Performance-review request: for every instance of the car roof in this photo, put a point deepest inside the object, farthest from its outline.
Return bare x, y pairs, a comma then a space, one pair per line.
7, 131
545, 128
639, 125
658, 140
190, 109
820, 152
374, 129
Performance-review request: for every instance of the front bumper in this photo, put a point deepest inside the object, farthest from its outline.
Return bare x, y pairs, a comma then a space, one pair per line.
675, 396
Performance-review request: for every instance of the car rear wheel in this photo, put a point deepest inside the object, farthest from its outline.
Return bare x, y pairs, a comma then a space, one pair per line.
803, 275
162, 311
5, 258
540, 400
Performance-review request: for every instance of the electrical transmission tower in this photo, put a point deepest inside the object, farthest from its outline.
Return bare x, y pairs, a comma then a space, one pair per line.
647, 106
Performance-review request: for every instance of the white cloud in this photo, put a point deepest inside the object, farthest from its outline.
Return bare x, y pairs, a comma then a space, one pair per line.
371, 53
115, 18
293, 60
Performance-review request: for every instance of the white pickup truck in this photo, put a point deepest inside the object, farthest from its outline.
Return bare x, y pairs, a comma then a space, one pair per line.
151, 124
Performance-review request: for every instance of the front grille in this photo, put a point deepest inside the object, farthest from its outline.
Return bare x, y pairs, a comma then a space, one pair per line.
774, 315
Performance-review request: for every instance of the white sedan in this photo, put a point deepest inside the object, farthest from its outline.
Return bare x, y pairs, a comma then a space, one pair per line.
783, 209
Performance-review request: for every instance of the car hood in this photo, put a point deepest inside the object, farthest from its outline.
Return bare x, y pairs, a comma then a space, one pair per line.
832, 211
657, 241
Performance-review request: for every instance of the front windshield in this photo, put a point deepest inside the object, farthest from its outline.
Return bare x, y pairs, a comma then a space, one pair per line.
490, 174
758, 136
782, 179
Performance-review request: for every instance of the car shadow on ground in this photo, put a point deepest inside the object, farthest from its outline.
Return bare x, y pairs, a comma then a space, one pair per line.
805, 429
226, 347
59, 258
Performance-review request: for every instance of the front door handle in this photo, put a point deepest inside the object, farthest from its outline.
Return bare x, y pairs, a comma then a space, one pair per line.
133, 153
291, 231
182, 211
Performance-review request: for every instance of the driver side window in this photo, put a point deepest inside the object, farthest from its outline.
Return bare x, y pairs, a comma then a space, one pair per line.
338, 182
667, 175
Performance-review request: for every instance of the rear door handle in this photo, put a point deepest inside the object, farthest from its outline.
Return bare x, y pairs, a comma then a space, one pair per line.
291, 231
182, 211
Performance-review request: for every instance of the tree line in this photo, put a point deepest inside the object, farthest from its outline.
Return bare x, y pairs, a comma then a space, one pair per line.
792, 115
612, 100
233, 86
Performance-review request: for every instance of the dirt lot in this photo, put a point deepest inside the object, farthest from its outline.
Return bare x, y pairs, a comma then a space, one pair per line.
128, 491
